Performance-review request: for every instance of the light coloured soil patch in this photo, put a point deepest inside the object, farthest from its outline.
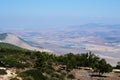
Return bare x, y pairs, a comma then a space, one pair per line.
81, 74
85, 75
10, 74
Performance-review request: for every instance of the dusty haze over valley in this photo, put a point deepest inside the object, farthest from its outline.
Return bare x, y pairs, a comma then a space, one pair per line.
103, 40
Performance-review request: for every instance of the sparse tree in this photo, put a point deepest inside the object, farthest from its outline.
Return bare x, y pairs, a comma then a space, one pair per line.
103, 67
118, 65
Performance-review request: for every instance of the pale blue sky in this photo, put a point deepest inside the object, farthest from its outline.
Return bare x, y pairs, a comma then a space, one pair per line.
56, 13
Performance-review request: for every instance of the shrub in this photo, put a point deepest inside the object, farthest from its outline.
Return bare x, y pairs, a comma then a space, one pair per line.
49, 71
71, 76
3, 72
28, 78
14, 79
35, 74
55, 75
61, 77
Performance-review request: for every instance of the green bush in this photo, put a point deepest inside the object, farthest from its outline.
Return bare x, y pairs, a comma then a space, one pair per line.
28, 78
100, 79
14, 79
71, 76
61, 77
3, 72
55, 75
34, 73
49, 71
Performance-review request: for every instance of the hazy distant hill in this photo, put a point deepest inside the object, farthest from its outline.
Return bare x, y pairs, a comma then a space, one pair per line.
15, 40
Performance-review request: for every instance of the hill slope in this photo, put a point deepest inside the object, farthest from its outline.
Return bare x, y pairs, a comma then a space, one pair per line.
15, 40
9, 46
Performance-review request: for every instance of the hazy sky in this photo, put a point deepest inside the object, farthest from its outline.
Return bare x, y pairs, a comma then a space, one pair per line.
57, 13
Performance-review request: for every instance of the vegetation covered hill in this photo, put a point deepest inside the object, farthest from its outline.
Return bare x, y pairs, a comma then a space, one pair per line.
35, 65
10, 46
